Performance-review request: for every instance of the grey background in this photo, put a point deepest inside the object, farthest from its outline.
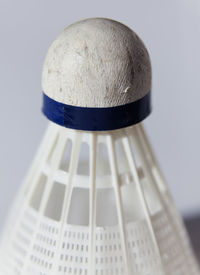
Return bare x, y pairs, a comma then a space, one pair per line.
170, 30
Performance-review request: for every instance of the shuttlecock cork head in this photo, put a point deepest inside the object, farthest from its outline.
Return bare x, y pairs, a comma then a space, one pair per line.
97, 76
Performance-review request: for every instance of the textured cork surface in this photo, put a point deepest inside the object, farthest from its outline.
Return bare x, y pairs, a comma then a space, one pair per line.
97, 63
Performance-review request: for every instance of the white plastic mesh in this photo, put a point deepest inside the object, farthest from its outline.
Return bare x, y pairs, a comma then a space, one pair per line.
39, 239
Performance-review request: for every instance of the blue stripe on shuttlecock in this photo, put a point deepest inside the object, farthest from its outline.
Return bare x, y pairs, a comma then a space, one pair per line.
96, 119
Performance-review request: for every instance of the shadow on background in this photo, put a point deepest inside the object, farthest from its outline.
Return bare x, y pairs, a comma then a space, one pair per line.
193, 227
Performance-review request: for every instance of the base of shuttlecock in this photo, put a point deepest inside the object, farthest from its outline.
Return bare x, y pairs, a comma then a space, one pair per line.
97, 119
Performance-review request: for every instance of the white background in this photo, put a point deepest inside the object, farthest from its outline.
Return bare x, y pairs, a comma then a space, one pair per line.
171, 32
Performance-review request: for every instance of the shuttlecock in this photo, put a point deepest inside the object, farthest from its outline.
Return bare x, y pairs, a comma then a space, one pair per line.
95, 201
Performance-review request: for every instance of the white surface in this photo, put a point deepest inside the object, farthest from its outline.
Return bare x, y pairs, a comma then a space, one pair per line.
171, 32
97, 62
117, 217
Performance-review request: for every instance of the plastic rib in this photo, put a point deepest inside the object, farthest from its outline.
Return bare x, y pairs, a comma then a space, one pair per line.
92, 223
149, 151
133, 168
144, 146
67, 199
34, 174
147, 168
40, 161
35, 177
150, 175
56, 159
114, 174
43, 152
158, 177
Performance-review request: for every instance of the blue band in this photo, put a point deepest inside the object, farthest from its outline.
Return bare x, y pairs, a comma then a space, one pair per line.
96, 119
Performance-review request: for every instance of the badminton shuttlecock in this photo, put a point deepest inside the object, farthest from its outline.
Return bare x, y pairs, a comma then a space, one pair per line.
94, 201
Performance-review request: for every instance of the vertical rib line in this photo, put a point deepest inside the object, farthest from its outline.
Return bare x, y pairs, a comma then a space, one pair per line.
34, 174
92, 221
56, 159
144, 147
115, 179
133, 168
67, 200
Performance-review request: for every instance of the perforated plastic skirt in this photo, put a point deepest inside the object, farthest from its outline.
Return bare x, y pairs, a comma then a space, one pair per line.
95, 203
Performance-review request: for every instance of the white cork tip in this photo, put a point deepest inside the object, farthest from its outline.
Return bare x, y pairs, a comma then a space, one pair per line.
97, 62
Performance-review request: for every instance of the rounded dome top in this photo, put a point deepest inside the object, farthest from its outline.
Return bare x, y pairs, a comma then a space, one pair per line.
97, 62
97, 76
